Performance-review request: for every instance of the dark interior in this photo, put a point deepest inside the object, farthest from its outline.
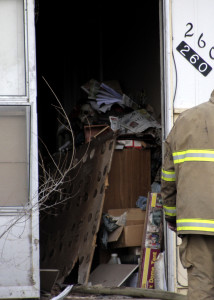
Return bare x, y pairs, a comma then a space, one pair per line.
79, 41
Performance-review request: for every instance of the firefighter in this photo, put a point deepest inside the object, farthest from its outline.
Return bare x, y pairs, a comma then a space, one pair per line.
188, 194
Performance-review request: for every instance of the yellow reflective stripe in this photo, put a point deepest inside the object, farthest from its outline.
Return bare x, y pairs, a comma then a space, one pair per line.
170, 211
196, 220
193, 155
178, 161
195, 225
210, 151
168, 172
207, 229
168, 175
167, 179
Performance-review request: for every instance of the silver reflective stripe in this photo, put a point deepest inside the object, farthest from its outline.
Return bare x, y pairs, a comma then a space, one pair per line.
170, 211
195, 224
167, 175
183, 156
193, 155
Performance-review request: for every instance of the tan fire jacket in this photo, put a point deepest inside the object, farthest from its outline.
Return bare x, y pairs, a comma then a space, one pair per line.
188, 171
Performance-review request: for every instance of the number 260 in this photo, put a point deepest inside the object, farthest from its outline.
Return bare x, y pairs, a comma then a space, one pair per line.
193, 59
201, 43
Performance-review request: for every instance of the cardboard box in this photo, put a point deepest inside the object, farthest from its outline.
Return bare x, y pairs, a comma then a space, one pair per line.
134, 216
131, 234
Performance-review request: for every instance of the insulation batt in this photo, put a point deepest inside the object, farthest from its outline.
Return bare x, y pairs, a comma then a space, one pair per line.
160, 282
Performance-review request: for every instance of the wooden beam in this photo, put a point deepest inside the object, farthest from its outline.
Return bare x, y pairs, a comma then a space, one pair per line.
128, 291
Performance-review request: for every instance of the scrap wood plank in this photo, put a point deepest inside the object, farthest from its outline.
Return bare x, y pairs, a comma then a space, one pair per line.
111, 275
128, 291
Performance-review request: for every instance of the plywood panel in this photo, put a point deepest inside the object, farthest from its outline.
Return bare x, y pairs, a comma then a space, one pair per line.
129, 178
69, 229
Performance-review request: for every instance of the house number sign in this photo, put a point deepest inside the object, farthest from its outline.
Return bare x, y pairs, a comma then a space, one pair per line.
191, 56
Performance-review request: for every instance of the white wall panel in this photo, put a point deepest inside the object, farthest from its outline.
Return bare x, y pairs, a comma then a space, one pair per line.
12, 49
19, 215
192, 23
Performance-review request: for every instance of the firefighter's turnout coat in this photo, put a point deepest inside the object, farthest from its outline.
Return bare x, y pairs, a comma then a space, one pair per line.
188, 171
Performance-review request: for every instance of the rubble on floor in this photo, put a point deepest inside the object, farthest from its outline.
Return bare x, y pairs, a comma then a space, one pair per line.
111, 132
99, 292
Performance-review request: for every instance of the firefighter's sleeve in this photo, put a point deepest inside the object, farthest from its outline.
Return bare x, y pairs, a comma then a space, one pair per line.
168, 185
